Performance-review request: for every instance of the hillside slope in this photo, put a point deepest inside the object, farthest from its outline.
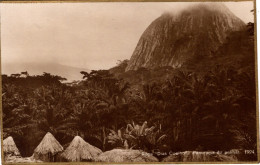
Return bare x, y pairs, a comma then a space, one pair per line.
195, 33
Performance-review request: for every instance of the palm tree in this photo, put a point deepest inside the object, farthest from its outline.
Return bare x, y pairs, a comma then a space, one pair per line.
53, 108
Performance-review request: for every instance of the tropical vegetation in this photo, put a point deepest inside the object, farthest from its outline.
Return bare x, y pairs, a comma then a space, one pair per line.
155, 110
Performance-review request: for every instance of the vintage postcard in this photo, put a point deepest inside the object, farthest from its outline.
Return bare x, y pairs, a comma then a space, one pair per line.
129, 82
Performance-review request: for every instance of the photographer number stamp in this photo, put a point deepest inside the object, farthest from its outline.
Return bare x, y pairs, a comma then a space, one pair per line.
249, 152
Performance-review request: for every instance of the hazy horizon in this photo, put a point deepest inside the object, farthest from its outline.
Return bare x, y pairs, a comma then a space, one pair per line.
82, 35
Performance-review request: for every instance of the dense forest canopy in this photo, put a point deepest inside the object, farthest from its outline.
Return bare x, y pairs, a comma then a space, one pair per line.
162, 109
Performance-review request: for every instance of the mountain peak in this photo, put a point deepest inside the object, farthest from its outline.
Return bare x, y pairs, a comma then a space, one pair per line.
177, 37
201, 8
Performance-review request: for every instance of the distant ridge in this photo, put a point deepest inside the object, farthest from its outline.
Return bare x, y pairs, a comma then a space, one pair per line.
69, 72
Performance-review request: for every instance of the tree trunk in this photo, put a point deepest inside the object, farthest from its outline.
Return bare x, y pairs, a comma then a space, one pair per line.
104, 138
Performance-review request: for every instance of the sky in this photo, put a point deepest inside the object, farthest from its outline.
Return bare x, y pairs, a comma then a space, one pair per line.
84, 35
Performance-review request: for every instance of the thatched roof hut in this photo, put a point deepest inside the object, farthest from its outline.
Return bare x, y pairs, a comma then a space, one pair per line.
48, 149
126, 155
19, 159
9, 147
80, 150
194, 156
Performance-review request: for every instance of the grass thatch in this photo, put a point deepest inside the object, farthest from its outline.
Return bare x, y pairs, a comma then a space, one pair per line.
19, 159
194, 156
48, 149
80, 150
9, 147
124, 156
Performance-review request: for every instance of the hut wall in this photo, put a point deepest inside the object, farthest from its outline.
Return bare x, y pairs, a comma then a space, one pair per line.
49, 157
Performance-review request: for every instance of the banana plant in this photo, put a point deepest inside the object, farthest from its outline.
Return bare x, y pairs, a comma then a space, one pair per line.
117, 139
136, 137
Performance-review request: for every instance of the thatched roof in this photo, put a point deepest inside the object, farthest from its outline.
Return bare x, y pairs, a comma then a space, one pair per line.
194, 156
19, 159
80, 150
48, 145
9, 147
126, 155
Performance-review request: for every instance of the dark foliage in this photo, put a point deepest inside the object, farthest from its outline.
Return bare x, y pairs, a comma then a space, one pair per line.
183, 109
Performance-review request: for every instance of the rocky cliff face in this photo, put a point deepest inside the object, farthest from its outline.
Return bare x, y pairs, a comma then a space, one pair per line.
193, 33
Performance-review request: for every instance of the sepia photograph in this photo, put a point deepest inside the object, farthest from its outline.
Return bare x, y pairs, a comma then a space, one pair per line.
129, 82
